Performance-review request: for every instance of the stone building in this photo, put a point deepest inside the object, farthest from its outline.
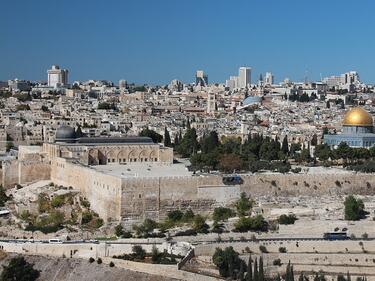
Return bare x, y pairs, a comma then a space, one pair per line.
106, 150
358, 130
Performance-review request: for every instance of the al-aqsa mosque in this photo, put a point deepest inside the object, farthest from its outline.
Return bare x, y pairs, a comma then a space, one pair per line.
357, 130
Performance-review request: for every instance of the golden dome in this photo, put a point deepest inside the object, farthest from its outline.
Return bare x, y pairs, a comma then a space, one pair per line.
358, 117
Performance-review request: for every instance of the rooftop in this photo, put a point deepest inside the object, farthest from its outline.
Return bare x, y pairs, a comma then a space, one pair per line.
144, 170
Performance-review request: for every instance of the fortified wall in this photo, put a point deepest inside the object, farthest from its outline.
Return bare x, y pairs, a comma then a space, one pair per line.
24, 172
134, 199
103, 191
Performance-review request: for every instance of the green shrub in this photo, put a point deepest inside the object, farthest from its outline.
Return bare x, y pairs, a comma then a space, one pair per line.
57, 201
282, 250
287, 219
354, 208
19, 269
199, 224
99, 261
91, 260
263, 249
111, 264
222, 213
227, 261
256, 223
175, 216
86, 217
119, 230
139, 252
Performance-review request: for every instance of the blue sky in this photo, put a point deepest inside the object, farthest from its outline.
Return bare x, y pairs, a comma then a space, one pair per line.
155, 41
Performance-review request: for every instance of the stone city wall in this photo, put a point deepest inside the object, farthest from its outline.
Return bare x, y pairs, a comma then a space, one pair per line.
33, 171
87, 250
139, 198
10, 173
308, 184
103, 191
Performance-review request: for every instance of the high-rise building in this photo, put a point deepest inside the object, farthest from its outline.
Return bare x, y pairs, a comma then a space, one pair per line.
175, 85
268, 79
122, 84
244, 77
57, 77
201, 79
211, 103
348, 78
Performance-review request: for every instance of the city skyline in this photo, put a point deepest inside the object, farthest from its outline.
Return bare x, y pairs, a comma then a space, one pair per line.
154, 43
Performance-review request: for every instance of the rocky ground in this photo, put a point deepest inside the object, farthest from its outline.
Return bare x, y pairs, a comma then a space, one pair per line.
64, 269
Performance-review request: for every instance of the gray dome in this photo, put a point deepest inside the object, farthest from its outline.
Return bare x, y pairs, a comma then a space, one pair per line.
65, 132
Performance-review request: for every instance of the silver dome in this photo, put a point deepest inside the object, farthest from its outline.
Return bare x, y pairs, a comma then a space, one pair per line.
65, 133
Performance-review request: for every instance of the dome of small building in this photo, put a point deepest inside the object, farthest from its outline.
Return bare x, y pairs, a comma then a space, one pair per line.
64, 132
252, 100
358, 117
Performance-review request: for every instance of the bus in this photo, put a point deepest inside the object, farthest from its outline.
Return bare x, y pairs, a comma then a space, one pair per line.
335, 236
232, 180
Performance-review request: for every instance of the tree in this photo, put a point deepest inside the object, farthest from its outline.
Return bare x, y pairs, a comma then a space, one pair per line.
287, 219
230, 163
256, 273
138, 252
188, 144
119, 230
241, 273
78, 133
303, 277
156, 138
285, 146
19, 269
3, 197
167, 138
323, 152
176, 141
245, 224
354, 208
244, 205
261, 269
227, 261
222, 213
319, 277
210, 142
314, 140
175, 215
199, 224
249, 274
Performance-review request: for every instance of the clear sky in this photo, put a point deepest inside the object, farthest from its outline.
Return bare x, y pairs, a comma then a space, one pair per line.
155, 41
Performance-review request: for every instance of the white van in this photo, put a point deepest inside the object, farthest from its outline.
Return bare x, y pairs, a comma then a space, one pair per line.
55, 241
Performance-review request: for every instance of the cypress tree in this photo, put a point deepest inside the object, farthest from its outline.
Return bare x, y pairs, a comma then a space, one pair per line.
241, 272
348, 276
261, 270
256, 275
249, 275
278, 278
291, 273
167, 138
284, 146
288, 273
188, 124
176, 141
